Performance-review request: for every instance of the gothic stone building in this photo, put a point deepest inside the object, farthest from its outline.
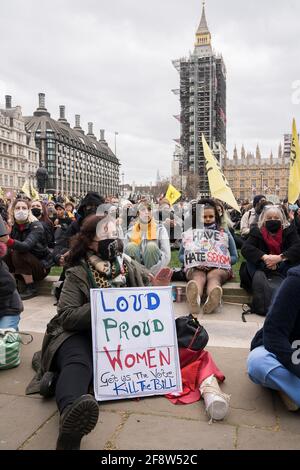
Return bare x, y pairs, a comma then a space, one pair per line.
249, 174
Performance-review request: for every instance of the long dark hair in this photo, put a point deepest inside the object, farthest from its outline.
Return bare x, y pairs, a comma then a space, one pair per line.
208, 204
80, 242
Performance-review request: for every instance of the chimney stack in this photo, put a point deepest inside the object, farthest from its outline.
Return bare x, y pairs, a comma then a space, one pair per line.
102, 137
90, 129
7, 101
77, 124
42, 101
77, 120
41, 110
62, 110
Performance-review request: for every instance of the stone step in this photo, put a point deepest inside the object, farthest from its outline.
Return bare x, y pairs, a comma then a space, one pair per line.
232, 292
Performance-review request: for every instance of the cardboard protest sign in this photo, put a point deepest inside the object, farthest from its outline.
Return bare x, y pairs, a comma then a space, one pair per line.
135, 347
206, 248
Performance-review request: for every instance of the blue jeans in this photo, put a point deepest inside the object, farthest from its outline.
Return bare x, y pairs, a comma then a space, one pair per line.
264, 369
10, 321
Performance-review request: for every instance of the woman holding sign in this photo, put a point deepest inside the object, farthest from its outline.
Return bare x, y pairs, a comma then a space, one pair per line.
208, 251
65, 365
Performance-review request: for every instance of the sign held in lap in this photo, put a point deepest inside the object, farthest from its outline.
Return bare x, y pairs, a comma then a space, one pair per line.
206, 248
135, 347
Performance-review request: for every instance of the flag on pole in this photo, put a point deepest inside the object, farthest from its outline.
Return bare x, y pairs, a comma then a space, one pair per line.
34, 194
26, 189
218, 183
172, 194
294, 181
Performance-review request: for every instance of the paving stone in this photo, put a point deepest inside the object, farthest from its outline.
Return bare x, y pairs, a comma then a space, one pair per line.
250, 403
288, 421
46, 437
152, 433
258, 439
21, 418
158, 406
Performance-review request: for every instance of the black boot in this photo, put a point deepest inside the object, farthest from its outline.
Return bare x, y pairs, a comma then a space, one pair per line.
29, 292
78, 419
48, 384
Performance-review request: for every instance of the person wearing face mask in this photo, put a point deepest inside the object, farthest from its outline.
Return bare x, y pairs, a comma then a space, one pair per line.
51, 212
10, 303
96, 260
147, 241
272, 248
28, 255
38, 209
207, 277
250, 218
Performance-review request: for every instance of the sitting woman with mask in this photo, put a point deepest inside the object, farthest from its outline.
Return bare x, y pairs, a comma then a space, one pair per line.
204, 271
28, 254
39, 210
65, 367
272, 248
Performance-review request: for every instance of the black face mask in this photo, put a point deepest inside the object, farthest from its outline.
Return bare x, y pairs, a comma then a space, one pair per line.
109, 249
36, 212
273, 226
212, 226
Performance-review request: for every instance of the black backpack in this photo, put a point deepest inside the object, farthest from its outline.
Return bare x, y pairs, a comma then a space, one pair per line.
264, 287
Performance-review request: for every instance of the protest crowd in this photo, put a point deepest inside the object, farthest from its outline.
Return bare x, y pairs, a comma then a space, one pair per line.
111, 242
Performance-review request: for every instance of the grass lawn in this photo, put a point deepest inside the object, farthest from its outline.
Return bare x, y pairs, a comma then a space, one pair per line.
55, 271
175, 263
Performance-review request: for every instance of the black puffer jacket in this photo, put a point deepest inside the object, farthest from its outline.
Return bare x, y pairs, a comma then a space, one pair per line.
255, 247
32, 239
10, 301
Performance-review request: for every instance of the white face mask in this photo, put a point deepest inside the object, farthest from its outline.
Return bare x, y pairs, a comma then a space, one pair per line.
21, 215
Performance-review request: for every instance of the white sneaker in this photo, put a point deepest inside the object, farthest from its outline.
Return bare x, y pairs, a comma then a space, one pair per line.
216, 402
213, 300
193, 297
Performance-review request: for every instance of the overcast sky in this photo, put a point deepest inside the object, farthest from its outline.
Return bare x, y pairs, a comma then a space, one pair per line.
110, 62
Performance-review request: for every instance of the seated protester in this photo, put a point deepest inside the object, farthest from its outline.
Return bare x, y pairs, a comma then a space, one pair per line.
296, 220
166, 216
250, 218
147, 241
51, 212
227, 223
87, 206
274, 359
65, 367
38, 209
204, 275
272, 248
62, 221
28, 255
10, 303
69, 207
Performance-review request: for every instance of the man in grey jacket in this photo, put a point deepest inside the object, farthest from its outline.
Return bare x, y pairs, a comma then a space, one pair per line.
147, 241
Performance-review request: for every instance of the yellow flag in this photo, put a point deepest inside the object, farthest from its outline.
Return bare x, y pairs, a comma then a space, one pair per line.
1, 193
34, 194
50, 197
26, 189
218, 183
294, 181
172, 194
